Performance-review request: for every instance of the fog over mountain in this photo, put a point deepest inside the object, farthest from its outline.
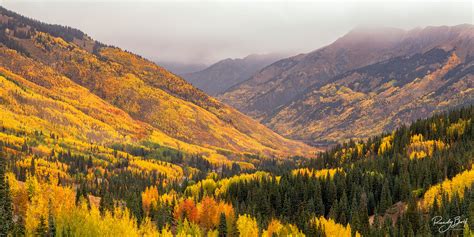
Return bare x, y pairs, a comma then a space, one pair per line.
180, 68
188, 32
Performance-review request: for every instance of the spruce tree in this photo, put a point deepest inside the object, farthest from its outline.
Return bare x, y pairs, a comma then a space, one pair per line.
318, 202
385, 198
51, 226
6, 210
42, 229
222, 226
343, 209
334, 212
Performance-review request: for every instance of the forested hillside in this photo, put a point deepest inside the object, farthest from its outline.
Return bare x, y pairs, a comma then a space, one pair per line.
60, 64
392, 183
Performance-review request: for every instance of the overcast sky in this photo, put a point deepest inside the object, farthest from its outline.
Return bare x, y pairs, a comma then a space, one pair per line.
207, 31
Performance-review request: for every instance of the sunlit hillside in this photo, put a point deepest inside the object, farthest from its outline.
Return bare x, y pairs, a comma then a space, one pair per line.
162, 102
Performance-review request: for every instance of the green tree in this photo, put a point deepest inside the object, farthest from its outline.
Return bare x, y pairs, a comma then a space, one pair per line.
51, 226
385, 198
42, 229
222, 226
6, 210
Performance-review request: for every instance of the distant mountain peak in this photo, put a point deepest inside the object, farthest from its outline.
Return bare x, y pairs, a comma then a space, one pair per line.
229, 72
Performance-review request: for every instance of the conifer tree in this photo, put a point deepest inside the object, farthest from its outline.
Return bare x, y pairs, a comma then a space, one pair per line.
222, 226
51, 226
318, 202
385, 198
42, 229
6, 209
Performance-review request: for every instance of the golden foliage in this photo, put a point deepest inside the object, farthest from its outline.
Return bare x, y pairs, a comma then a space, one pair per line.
386, 144
323, 173
168, 169
456, 185
132, 87
331, 228
276, 228
211, 187
419, 148
458, 128
247, 226
34, 200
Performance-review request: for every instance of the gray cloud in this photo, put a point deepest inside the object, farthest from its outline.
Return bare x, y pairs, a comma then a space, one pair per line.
206, 31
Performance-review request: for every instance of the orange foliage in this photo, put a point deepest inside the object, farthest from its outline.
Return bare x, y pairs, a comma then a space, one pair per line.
186, 209
149, 197
210, 211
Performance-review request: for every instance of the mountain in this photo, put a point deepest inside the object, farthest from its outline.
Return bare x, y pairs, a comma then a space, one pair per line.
366, 82
179, 68
57, 79
226, 73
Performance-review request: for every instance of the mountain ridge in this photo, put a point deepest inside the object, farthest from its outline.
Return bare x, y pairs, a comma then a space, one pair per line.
279, 85
138, 87
229, 72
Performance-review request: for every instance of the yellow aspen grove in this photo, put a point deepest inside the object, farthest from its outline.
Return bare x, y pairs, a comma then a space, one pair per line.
331, 228
456, 185
247, 226
276, 228
419, 148
322, 173
386, 144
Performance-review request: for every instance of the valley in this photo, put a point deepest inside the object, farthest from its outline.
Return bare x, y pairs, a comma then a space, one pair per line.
372, 135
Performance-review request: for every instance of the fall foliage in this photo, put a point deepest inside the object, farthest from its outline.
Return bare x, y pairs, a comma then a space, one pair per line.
331, 228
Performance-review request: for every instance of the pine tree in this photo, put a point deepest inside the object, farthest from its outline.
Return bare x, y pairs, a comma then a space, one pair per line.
51, 226
222, 226
6, 210
106, 202
42, 229
363, 216
344, 209
412, 215
334, 211
318, 202
385, 198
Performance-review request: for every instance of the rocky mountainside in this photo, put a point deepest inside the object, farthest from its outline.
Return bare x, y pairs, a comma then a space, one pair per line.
226, 73
61, 80
366, 82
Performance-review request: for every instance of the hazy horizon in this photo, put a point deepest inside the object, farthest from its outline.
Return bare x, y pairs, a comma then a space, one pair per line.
203, 32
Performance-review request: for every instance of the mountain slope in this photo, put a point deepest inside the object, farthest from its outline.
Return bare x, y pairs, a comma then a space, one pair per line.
148, 94
379, 97
281, 82
226, 73
333, 93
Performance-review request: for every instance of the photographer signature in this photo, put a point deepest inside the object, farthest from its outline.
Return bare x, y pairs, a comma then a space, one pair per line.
455, 223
